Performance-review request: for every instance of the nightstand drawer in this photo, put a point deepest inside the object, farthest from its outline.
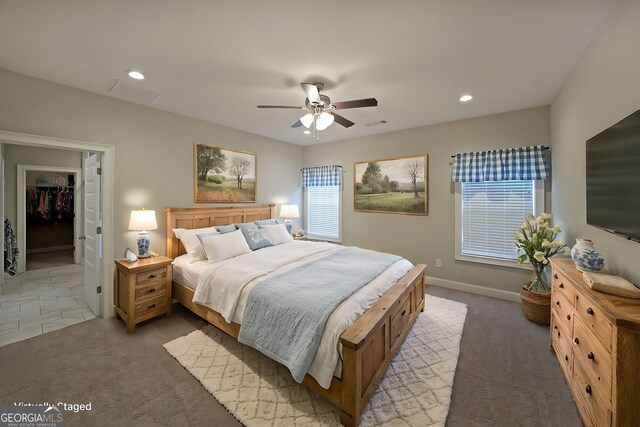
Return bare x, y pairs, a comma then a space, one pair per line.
151, 291
561, 342
151, 276
590, 397
147, 307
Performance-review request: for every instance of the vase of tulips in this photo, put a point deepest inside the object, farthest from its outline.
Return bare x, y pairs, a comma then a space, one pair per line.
536, 242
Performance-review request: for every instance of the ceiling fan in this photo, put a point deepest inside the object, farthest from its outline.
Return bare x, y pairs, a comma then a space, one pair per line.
321, 111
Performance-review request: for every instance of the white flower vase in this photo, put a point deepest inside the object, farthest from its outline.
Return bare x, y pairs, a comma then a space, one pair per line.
586, 257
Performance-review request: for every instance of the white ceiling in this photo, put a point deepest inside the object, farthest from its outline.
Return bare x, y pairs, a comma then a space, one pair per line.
217, 60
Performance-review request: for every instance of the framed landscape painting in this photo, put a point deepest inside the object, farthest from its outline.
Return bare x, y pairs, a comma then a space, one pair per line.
397, 185
223, 175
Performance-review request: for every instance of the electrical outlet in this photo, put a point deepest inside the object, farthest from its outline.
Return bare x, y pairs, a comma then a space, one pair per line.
438, 263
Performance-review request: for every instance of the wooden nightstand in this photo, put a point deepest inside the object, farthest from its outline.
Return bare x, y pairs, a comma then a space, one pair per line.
143, 289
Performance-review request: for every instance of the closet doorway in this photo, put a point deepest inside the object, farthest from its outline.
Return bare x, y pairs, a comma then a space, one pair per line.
52, 214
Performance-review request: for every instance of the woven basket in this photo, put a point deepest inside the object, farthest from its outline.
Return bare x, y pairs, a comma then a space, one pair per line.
535, 306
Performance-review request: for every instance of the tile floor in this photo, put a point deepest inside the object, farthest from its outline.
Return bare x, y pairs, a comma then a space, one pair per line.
49, 259
40, 301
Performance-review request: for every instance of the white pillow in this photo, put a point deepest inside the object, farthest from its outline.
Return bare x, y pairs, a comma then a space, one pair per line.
277, 233
191, 242
224, 246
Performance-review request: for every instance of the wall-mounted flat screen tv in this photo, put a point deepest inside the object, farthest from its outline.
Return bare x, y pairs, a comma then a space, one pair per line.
613, 178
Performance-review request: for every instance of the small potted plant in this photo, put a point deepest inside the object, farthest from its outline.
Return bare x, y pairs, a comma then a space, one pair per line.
536, 243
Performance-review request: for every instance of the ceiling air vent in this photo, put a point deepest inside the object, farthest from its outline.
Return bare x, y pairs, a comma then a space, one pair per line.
132, 93
376, 123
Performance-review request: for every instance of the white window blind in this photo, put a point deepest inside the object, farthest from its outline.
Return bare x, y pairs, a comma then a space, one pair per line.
491, 212
322, 212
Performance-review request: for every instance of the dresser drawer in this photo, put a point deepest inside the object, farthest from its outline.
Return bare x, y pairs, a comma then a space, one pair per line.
151, 306
594, 410
151, 291
561, 342
400, 319
564, 286
595, 359
595, 320
563, 309
151, 276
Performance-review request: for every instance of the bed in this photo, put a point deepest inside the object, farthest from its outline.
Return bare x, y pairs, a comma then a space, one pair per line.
367, 345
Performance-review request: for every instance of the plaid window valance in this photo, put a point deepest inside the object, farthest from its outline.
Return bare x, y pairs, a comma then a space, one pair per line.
510, 164
321, 176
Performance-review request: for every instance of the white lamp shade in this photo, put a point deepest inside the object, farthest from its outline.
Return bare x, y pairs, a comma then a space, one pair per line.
143, 220
324, 121
289, 211
306, 120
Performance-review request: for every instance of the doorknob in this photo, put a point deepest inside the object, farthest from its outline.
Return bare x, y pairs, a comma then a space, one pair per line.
81, 237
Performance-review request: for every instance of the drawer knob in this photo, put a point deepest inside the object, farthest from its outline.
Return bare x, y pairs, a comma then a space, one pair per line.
403, 312
555, 276
591, 356
152, 276
151, 290
561, 286
151, 306
589, 310
555, 327
588, 389
576, 340
566, 357
568, 317
557, 302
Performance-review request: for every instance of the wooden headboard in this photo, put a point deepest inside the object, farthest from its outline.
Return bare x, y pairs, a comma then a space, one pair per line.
208, 217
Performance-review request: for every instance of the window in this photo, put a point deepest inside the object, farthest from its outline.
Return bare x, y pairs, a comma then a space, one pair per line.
488, 215
323, 212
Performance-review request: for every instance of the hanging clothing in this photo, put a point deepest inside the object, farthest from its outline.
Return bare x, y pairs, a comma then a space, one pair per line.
48, 205
10, 249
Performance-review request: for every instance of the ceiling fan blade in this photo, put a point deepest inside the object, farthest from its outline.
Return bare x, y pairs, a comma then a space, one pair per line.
357, 103
297, 124
312, 92
342, 121
280, 106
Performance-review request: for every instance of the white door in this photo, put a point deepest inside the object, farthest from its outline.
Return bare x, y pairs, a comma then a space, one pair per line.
92, 238
2, 217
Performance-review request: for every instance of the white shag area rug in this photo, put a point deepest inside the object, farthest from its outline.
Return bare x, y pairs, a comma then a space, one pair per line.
415, 391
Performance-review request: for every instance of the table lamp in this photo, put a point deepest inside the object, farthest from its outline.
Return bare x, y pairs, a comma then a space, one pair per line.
143, 221
287, 212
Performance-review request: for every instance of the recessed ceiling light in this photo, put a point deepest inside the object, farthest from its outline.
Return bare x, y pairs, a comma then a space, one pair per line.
307, 132
135, 75
465, 98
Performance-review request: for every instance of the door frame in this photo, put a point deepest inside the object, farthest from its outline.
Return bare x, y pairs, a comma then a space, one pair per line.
108, 175
21, 209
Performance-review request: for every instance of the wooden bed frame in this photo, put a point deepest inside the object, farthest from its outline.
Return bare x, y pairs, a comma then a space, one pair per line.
369, 344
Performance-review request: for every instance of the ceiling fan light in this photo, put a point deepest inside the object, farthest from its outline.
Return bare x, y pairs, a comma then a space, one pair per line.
306, 120
324, 120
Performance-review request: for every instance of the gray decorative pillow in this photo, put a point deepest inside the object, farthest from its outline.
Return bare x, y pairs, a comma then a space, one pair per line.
262, 222
256, 239
246, 226
223, 229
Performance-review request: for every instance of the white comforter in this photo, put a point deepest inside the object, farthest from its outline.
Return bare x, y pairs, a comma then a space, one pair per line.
225, 286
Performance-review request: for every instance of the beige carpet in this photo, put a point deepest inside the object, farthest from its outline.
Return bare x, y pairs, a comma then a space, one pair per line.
416, 390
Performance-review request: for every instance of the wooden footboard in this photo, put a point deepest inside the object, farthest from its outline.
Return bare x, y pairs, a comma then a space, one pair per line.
373, 340
369, 344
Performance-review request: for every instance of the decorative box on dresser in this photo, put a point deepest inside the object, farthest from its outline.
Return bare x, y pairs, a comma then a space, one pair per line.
596, 337
143, 289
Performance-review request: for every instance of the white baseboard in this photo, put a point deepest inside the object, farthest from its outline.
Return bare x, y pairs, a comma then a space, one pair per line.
474, 289
49, 249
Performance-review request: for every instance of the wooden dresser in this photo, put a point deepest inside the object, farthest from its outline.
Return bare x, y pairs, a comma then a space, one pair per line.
596, 338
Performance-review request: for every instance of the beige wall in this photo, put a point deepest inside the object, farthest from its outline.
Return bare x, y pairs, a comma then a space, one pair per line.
154, 149
423, 239
603, 89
